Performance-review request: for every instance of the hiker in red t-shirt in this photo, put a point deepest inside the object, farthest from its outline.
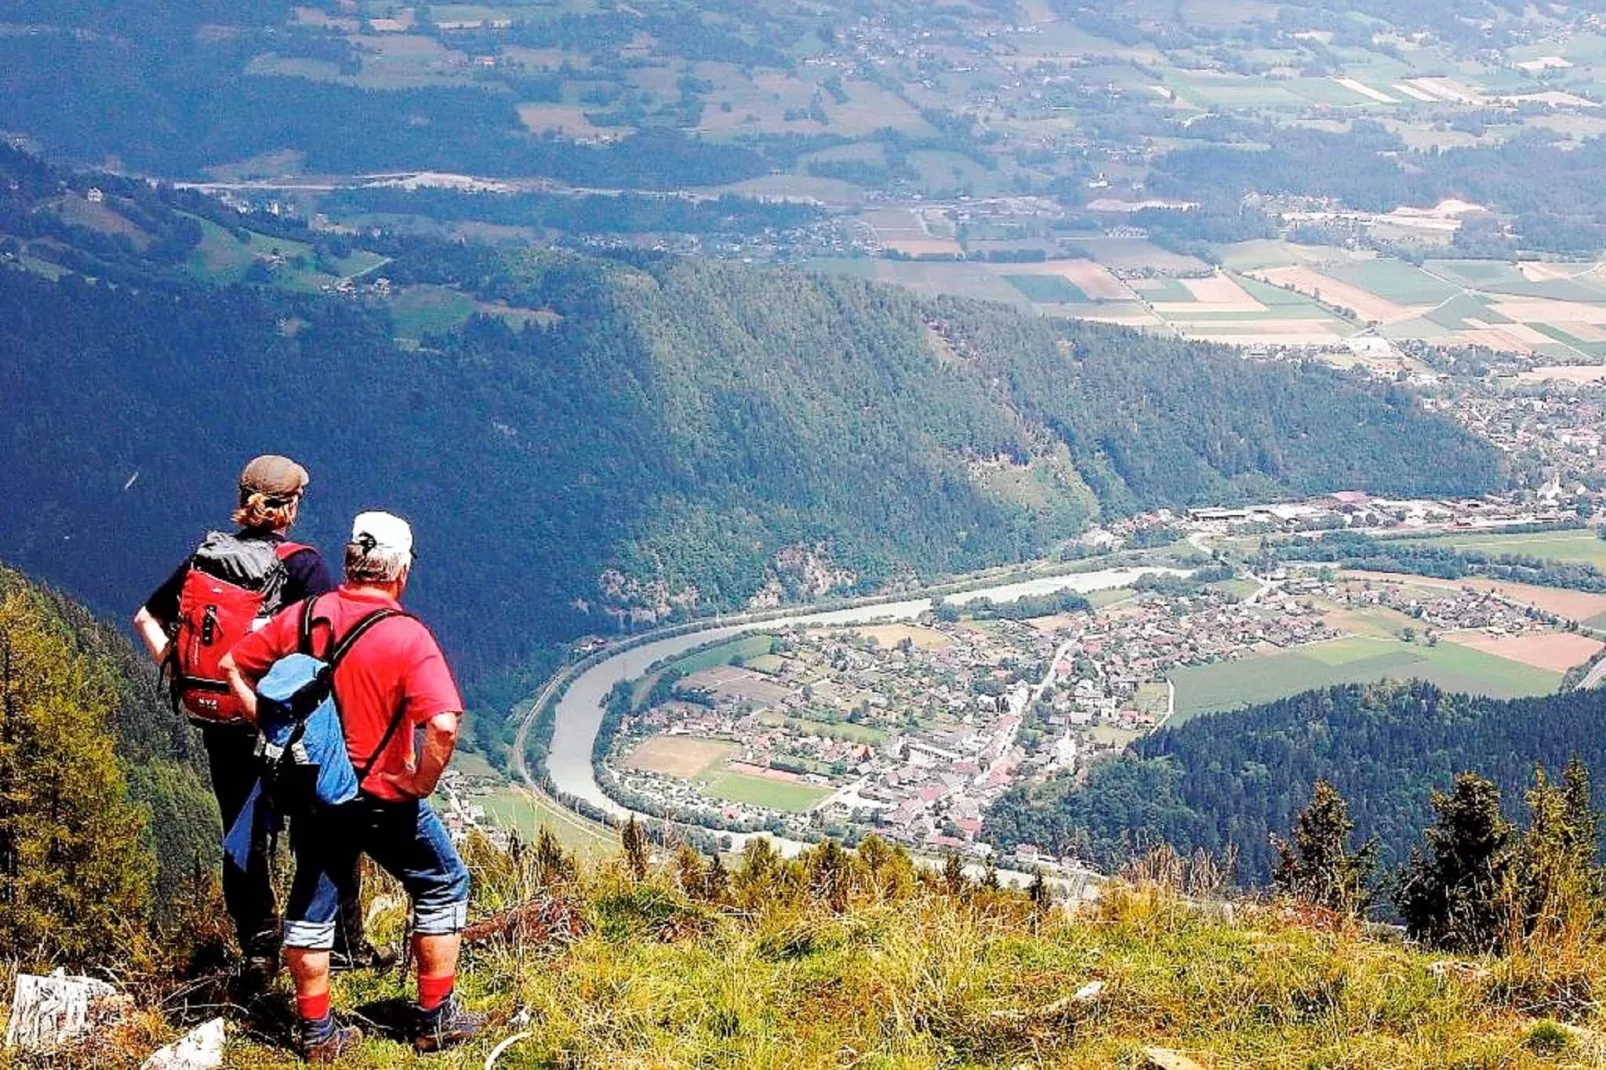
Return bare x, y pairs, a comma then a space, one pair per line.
392, 686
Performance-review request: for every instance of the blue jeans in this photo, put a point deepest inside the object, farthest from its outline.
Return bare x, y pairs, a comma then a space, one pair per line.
406, 839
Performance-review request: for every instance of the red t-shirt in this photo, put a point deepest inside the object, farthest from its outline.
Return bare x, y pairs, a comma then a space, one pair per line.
396, 666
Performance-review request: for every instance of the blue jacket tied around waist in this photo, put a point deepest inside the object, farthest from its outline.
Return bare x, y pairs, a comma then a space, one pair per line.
302, 745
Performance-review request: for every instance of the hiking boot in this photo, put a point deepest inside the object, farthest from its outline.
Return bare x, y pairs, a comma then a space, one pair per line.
255, 978
364, 956
323, 1041
446, 1026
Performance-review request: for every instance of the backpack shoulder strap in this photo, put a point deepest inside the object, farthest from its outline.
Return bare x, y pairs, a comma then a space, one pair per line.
358, 630
349, 640
284, 551
309, 607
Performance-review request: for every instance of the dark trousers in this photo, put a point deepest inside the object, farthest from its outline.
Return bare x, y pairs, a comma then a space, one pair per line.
248, 892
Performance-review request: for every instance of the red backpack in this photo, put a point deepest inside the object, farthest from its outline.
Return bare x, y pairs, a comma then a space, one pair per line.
233, 584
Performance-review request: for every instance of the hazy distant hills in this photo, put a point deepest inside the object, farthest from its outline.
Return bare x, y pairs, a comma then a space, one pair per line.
654, 440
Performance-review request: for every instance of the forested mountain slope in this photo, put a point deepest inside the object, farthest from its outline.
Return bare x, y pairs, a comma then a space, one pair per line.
652, 438
1235, 778
81, 703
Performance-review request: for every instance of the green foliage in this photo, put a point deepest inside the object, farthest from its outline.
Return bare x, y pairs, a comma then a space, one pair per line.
633, 840
1450, 891
1232, 779
160, 755
1318, 867
75, 876
1026, 607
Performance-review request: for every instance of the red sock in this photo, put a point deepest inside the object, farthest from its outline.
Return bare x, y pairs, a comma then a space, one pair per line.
314, 1008
432, 991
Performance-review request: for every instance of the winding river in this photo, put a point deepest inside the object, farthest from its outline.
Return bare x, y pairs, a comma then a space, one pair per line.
579, 713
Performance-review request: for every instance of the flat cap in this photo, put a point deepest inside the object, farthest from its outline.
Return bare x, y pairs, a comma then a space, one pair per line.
273, 476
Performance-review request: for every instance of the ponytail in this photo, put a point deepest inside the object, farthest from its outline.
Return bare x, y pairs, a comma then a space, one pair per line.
260, 511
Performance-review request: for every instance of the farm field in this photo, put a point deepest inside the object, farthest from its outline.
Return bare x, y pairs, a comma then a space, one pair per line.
889, 635
679, 755
762, 791
1556, 651
748, 646
1583, 546
1267, 677
523, 812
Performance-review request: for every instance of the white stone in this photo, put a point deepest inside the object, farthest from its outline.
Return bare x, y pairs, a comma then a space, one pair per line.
199, 1049
47, 1012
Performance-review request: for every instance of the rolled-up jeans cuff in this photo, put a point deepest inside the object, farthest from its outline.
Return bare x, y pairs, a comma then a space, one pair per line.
309, 935
440, 920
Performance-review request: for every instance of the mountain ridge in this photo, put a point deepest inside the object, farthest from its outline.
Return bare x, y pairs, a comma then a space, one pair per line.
687, 425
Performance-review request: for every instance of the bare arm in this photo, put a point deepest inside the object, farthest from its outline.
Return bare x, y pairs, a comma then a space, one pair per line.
152, 634
242, 690
440, 739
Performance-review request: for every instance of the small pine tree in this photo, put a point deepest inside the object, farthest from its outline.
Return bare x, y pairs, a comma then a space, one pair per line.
1583, 820
1552, 892
552, 862
689, 870
1039, 891
830, 871
1318, 867
1449, 893
716, 880
633, 838
953, 875
989, 876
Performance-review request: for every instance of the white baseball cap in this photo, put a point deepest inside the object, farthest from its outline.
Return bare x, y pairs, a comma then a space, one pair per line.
386, 531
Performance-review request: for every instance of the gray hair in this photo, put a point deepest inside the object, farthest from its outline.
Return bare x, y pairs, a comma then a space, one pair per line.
367, 563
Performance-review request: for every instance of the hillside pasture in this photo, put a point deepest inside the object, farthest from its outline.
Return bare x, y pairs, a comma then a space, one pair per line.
569, 120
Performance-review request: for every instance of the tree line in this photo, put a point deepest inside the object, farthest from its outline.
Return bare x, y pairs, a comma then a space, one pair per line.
1477, 881
1230, 780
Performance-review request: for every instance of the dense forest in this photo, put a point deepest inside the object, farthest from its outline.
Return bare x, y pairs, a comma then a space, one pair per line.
1233, 779
648, 451
85, 725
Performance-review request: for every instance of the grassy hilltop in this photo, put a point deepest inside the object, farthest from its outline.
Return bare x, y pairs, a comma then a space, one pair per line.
864, 961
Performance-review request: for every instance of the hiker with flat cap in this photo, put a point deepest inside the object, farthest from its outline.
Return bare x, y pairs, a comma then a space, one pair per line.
229, 585
391, 687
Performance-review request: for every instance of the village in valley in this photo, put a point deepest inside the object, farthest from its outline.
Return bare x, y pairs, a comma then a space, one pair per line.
913, 729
